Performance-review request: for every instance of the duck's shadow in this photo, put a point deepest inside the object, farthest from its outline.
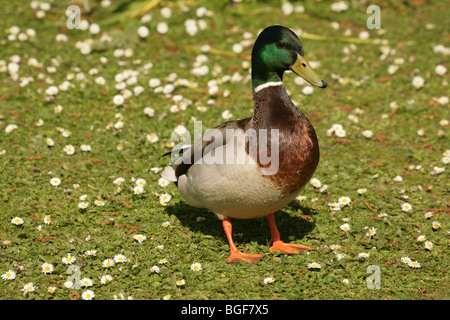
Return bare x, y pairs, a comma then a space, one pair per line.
250, 230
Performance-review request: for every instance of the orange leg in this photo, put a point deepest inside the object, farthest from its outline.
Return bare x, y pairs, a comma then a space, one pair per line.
277, 244
235, 254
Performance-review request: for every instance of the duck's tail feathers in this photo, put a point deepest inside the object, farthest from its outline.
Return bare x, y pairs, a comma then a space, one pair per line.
169, 174
176, 153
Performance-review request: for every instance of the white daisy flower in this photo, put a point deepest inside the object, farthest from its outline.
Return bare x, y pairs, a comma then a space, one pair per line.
393, 69
152, 137
50, 142
143, 32
108, 263
340, 133
90, 253
17, 221
339, 6
88, 295
10, 127
314, 265
227, 115
418, 82
237, 48
139, 238
335, 246
52, 91
363, 255
83, 205
141, 182
428, 215
440, 70
181, 282
406, 260
436, 225
138, 190
100, 81
94, 28
166, 12
86, 282
68, 259
443, 100
149, 111
165, 198
316, 183
29, 287
118, 100
47, 219
154, 269
163, 182
118, 181
428, 245
69, 149
308, 90
105, 279
406, 207
9, 275
85, 148
154, 82
344, 201
372, 231
196, 266
162, 27
414, 264
55, 182
99, 203
120, 258
421, 238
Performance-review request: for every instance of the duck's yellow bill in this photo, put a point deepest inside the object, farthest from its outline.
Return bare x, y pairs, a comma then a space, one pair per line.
302, 68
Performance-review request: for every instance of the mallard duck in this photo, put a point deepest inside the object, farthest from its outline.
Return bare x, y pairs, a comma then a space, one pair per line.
254, 167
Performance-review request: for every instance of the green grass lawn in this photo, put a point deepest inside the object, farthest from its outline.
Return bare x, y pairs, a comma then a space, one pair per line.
61, 84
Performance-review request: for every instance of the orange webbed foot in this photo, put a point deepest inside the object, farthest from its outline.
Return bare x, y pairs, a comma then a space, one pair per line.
235, 254
238, 256
278, 245
289, 248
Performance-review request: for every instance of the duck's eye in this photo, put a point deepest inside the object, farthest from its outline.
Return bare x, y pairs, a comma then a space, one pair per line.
281, 44
304, 65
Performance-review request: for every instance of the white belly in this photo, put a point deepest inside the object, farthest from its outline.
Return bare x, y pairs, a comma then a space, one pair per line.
236, 189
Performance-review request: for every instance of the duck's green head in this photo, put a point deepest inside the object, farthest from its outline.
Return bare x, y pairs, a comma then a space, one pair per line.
276, 50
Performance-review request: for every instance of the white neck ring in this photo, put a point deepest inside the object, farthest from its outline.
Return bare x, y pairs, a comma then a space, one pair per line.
266, 85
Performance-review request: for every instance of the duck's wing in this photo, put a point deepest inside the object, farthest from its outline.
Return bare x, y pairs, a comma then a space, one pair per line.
213, 138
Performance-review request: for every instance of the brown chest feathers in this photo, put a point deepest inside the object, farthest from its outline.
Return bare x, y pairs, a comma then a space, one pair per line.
294, 140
